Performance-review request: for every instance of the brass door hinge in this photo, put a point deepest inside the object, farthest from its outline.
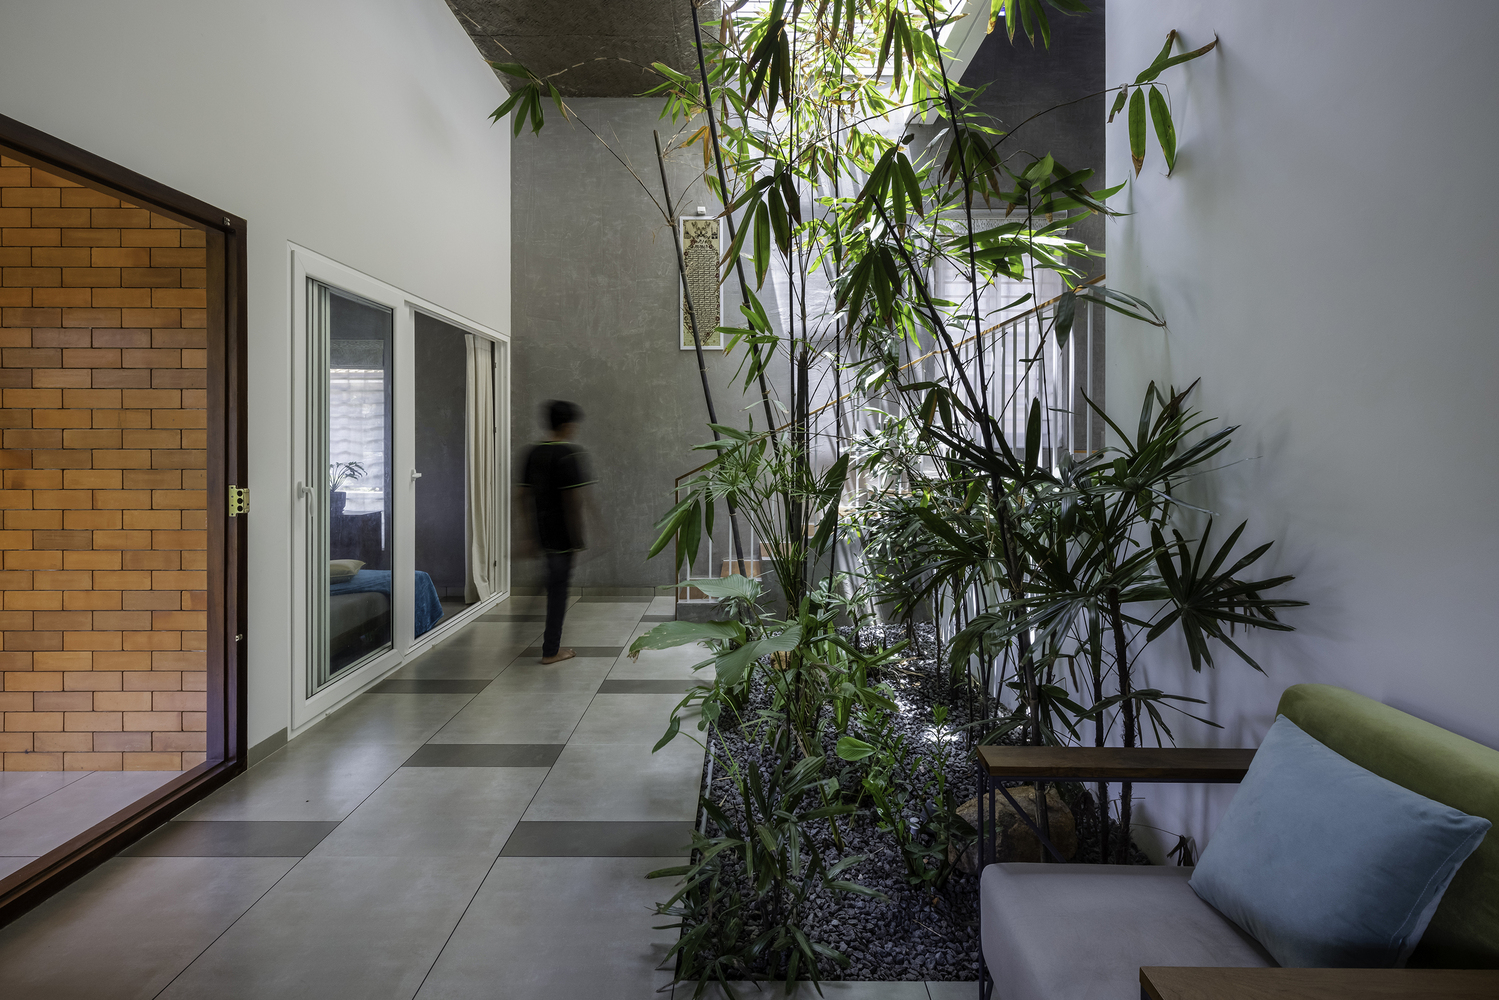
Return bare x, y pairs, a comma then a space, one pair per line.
239, 500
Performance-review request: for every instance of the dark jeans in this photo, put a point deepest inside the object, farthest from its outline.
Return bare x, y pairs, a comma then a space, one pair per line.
559, 572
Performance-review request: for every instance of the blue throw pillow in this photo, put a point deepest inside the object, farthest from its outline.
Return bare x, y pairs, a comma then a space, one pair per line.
1329, 865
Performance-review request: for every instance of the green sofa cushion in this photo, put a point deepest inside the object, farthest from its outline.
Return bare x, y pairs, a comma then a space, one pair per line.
1428, 760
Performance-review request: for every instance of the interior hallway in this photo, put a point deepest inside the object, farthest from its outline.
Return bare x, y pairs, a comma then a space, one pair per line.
477, 825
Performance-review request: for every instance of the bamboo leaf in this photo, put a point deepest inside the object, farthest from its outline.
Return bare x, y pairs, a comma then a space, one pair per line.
1137, 130
1165, 132
1066, 314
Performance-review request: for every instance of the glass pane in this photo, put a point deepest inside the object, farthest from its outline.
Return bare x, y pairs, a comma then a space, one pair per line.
356, 480
454, 437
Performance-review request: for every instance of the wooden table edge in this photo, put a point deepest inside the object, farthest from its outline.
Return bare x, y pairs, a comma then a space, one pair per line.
1144, 764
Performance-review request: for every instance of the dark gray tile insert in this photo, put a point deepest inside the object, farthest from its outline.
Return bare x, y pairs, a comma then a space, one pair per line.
398, 685
512, 618
658, 618
597, 651
485, 755
648, 687
536, 839
231, 839
622, 599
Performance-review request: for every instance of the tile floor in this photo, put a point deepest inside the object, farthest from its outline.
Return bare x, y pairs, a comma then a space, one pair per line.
42, 810
476, 826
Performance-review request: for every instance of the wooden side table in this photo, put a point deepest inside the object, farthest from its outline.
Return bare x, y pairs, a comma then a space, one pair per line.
1169, 983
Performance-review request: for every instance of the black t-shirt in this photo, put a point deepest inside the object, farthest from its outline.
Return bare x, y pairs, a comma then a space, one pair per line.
551, 467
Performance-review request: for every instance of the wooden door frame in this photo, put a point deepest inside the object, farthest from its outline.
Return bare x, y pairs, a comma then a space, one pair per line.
227, 463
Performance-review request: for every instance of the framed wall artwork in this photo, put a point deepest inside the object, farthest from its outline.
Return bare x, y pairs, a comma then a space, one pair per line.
702, 240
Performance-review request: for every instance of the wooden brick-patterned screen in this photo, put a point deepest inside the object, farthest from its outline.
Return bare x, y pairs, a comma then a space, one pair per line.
103, 519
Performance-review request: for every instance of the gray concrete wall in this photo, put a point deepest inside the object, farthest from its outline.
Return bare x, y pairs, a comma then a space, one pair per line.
1024, 81
595, 317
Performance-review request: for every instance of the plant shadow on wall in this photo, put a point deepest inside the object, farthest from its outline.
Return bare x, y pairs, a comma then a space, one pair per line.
946, 570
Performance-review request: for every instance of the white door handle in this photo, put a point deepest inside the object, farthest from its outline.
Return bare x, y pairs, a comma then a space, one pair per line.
415, 475
303, 491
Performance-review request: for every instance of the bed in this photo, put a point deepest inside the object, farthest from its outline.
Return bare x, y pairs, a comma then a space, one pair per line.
359, 614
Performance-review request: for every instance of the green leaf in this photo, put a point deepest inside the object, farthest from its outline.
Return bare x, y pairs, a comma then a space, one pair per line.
735, 587
668, 635
1150, 72
1159, 67
1118, 103
853, 749
671, 733
1066, 314
1137, 130
1160, 117
762, 243
1033, 437
731, 666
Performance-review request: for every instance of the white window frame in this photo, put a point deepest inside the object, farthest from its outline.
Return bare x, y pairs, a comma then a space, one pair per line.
308, 708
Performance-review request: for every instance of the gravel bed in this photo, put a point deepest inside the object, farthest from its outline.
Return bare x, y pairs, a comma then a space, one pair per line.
919, 933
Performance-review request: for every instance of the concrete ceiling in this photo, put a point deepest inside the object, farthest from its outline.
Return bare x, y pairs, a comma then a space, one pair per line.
588, 48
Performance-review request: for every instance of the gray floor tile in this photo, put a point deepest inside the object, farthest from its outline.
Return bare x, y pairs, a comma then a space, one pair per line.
663, 604
231, 839
485, 755
605, 652
384, 718
125, 929
593, 839
21, 788
9, 866
953, 991
526, 604
663, 664
334, 928
577, 675
606, 599
628, 718
447, 812
304, 781
553, 928
513, 618
455, 665
404, 685
647, 686
658, 618
622, 782
54, 819
503, 716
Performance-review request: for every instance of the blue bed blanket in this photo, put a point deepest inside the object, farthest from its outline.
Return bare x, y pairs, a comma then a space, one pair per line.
428, 605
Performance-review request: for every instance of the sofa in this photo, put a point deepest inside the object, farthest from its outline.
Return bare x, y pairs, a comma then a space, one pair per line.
1084, 931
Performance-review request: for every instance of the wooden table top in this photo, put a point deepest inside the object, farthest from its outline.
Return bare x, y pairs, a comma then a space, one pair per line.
1166, 983
1184, 764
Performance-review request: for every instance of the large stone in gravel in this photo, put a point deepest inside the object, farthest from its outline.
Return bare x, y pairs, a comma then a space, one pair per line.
1016, 840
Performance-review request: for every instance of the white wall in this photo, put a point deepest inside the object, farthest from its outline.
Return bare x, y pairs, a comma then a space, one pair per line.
1325, 257
356, 128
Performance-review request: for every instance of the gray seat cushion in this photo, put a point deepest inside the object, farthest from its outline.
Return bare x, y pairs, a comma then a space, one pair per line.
1083, 931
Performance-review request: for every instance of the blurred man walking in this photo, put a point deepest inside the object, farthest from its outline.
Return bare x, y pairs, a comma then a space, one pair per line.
556, 471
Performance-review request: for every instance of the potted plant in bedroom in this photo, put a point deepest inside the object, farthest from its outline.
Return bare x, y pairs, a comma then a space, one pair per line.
340, 474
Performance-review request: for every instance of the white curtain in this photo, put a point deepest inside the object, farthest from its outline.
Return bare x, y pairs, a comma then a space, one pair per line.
479, 420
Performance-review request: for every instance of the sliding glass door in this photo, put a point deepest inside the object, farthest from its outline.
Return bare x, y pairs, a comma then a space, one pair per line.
349, 474
453, 490
401, 472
